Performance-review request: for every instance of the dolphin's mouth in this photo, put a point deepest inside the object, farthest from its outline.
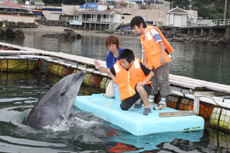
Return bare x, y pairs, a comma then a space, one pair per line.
80, 75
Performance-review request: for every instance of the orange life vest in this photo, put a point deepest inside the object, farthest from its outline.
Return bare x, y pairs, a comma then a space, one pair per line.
165, 41
152, 48
127, 80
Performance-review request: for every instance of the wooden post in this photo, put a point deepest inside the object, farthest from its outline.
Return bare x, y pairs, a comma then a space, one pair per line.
225, 9
196, 103
227, 31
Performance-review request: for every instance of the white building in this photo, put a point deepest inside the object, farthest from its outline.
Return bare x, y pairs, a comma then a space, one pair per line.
94, 16
14, 12
177, 17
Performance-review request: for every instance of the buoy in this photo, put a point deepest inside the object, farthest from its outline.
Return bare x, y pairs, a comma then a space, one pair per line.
59, 70
95, 80
18, 65
104, 83
220, 119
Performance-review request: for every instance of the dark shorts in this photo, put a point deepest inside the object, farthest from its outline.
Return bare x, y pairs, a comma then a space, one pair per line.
127, 103
160, 81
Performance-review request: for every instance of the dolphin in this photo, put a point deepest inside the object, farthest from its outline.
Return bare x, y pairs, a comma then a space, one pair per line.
57, 103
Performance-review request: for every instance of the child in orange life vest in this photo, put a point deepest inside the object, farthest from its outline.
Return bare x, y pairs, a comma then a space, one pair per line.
132, 78
155, 57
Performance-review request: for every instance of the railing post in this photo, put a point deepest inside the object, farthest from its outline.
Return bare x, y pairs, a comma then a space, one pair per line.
196, 103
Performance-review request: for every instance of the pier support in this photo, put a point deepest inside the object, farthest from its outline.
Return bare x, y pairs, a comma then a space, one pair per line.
210, 32
204, 32
190, 32
227, 32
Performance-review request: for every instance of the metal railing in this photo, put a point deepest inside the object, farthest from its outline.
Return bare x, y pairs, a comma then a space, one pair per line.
210, 23
221, 22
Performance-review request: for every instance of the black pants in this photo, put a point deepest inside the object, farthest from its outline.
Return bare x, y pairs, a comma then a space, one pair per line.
128, 102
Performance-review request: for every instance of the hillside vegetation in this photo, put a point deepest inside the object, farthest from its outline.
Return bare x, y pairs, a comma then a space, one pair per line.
210, 9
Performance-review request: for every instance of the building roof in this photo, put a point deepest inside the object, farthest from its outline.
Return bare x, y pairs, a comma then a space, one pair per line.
8, 4
177, 10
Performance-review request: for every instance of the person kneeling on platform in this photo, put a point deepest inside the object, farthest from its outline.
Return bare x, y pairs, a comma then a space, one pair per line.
132, 78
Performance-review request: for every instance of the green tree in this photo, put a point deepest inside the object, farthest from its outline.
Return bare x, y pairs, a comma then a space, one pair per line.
211, 9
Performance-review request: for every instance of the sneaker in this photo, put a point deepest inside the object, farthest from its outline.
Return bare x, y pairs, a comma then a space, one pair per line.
151, 98
160, 107
138, 105
147, 111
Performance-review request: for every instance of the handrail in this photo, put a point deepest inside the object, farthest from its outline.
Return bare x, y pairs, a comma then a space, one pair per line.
211, 23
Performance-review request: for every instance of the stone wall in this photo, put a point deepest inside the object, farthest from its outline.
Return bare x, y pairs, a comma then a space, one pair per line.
18, 24
53, 23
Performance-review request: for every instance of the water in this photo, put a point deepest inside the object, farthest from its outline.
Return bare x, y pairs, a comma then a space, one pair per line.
85, 132
194, 60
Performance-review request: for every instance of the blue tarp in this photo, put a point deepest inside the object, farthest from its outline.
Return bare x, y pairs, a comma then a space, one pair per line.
89, 5
75, 22
126, 28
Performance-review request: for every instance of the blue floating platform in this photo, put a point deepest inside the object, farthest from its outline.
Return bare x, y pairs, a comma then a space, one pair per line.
133, 120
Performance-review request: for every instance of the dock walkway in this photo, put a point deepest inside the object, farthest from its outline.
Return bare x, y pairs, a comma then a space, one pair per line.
181, 86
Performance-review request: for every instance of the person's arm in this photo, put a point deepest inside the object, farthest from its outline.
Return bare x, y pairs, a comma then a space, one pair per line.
148, 78
104, 70
143, 57
101, 68
149, 74
162, 46
112, 76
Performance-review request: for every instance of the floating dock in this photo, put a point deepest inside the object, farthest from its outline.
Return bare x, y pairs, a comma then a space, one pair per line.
133, 120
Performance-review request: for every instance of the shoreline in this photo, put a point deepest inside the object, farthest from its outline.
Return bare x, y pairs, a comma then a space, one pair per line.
210, 41
59, 29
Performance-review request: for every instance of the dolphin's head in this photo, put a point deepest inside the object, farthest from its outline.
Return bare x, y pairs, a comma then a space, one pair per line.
57, 102
69, 92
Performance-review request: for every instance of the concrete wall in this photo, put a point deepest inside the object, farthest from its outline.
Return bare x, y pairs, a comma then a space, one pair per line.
193, 14
117, 18
157, 15
69, 9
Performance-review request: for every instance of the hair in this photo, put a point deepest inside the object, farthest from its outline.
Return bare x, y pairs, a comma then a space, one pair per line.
112, 40
127, 54
136, 21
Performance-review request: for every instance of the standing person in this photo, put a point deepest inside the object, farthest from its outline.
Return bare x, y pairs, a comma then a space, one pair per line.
112, 44
155, 52
132, 78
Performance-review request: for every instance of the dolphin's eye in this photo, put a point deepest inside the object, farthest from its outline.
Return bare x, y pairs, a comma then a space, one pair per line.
63, 92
